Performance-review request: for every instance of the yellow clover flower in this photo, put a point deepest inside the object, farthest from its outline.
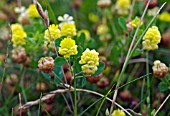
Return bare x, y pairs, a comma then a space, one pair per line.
18, 35
135, 22
32, 11
68, 29
53, 33
151, 38
165, 16
89, 61
122, 6
68, 47
118, 113
102, 29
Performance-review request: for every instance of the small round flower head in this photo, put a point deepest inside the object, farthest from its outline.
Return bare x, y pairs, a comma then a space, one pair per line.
118, 113
122, 7
52, 33
23, 18
93, 17
18, 35
135, 22
46, 64
19, 55
89, 61
104, 3
68, 47
160, 70
102, 29
151, 38
32, 11
165, 16
68, 30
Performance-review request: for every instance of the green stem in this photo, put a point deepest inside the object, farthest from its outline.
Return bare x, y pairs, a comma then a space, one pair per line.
75, 98
148, 82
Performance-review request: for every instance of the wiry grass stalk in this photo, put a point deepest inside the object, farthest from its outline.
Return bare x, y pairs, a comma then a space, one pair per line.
127, 58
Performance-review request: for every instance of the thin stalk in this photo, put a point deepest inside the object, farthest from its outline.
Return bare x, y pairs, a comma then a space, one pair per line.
162, 104
142, 92
127, 58
148, 82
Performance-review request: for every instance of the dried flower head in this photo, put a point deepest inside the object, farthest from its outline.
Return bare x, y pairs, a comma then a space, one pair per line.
89, 61
46, 64
68, 47
160, 70
151, 38
19, 54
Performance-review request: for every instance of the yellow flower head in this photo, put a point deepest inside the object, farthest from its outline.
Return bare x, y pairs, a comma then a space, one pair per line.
93, 17
86, 32
135, 22
102, 29
53, 33
118, 113
89, 61
32, 11
151, 38
68, 29
122, 7
18, 35
165, 16
68, 47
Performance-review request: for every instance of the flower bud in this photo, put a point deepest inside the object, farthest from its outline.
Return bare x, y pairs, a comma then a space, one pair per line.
160, 70
46, 64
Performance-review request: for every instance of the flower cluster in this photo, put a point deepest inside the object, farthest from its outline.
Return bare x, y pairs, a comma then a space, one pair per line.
68, 30
18, 35
32, 11
165, 16
151, 38
118, 113
135, 22
103, 32
122, 7
68, 47
52, 33
89, 61
160, 70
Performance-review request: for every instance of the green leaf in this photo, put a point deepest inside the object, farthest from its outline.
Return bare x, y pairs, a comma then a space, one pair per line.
137, 52
163, 86
80, 51
81, 39
122, 23
47, 76
57, 42
77, 65
59, 61
100, 68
